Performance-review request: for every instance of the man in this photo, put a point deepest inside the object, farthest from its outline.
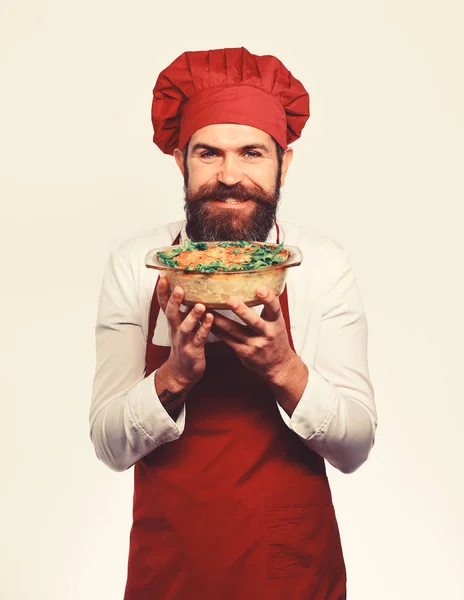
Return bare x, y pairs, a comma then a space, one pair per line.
229, 415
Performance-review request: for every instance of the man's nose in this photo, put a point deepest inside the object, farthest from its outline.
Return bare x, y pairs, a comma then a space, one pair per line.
230, 172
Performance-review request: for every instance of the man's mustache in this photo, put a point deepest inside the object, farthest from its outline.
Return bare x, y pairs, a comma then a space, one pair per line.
233, 192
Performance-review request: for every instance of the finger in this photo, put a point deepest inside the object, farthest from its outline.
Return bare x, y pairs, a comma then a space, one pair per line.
191, 319
172, 311
202, 333
162, 290
225, 337
272, 310
231, 328
248, 316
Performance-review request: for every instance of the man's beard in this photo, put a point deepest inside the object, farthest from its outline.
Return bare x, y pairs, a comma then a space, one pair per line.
204, 224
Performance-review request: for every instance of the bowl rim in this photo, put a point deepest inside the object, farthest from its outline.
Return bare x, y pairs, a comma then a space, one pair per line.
294, 259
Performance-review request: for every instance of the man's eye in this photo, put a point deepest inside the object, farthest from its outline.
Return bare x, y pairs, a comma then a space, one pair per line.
252, 154
208, 154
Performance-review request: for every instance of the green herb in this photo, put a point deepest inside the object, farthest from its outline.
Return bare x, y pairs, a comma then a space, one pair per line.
189, 246
170, 254
212, 266
259, 256
171, 263
277, 249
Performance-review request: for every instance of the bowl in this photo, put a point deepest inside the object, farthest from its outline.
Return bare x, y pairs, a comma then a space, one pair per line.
214, 288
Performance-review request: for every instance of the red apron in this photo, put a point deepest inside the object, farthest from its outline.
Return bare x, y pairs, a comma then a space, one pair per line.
237, 508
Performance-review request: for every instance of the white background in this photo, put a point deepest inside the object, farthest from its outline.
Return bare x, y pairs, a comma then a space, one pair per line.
379, 168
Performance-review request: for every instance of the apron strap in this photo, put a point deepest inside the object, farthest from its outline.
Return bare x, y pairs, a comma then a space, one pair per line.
283, 299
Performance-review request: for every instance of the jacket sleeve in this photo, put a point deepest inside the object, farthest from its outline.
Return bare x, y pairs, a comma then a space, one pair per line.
127, 419
336, 416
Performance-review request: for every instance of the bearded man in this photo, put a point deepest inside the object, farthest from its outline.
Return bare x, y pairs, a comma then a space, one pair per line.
228, 416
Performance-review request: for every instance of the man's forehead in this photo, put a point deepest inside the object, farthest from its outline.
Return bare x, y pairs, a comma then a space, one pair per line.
230, 136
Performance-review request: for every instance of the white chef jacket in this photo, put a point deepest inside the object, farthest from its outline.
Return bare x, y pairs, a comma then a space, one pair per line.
336, 415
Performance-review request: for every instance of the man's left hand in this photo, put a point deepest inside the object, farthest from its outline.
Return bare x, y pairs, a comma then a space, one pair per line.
262, 344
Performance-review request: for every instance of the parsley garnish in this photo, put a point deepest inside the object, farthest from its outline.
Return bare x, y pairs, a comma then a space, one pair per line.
259, 256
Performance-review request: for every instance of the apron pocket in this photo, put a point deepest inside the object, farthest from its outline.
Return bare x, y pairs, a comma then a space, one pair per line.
302, 541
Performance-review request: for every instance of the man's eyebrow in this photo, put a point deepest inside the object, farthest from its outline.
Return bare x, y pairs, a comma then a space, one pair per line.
247, 148
206, 147
262, 147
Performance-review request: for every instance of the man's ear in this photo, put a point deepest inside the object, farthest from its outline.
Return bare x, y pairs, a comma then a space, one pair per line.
286, 160
179, 156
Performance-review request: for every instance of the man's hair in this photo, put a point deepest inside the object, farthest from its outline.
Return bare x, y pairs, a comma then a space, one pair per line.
279, 150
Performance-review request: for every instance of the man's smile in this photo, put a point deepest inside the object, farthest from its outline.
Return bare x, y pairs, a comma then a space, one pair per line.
231, 202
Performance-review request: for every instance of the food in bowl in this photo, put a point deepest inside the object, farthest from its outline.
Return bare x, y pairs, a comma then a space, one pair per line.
212, 272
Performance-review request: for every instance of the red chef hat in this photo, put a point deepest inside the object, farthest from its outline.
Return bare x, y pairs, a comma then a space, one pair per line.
230, 85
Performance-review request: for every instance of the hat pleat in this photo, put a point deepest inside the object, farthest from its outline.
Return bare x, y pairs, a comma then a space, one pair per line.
233, 60
199, 69
250, 69
217, 68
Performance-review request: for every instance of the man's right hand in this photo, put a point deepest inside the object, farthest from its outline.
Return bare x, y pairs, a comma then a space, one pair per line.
188, 333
